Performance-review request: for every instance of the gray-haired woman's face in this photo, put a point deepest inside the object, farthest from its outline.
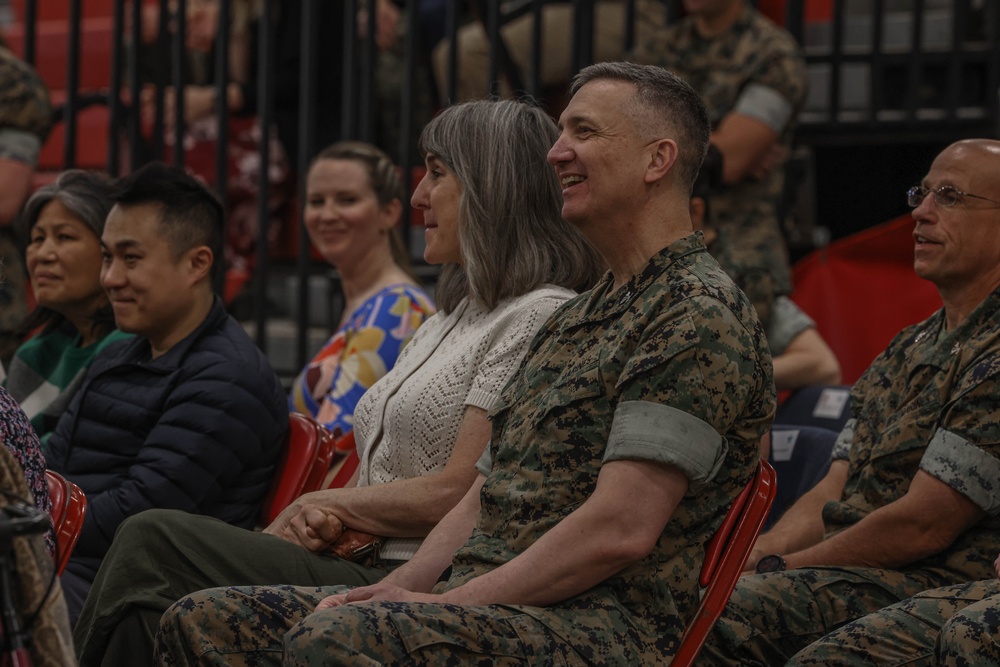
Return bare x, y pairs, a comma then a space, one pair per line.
438, 195
64, 262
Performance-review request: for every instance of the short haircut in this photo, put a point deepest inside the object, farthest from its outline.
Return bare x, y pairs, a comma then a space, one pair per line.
663, 103
383, 177
190, 215
510, 229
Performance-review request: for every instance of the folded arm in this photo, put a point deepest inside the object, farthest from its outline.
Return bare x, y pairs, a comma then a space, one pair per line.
802, 525
618, 525
403, 508
924, 522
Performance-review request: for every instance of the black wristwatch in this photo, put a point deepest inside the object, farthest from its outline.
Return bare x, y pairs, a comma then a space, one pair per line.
772, 563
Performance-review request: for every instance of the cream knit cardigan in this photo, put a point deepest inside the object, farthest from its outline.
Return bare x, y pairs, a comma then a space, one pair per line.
406, 424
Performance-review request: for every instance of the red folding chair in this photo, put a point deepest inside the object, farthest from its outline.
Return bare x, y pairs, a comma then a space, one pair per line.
69, 506
303, 465
725, 557
346, 463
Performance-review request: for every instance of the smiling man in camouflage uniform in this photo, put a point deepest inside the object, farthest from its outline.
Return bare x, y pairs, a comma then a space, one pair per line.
752, 77
616, 449
912, 499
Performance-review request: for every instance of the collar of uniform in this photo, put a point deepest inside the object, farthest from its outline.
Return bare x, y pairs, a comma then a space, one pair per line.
982, 320
603, 304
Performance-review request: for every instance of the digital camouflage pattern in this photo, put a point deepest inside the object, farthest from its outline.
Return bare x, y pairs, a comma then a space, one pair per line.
928, 402
753, 51
24, 99
770, 617
970, 638
25, 121
257, 625
680, 334
929, 387
954, 626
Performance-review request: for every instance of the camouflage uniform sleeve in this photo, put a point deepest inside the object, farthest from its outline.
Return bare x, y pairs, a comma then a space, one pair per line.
661, 433
25, 109
965, 467
485, 462
964, 452
19, 146
787, 322
690, 378
842, 447
766, 105
777, 89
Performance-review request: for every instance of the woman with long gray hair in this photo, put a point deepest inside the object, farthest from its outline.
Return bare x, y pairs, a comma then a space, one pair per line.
62, 224
491, 211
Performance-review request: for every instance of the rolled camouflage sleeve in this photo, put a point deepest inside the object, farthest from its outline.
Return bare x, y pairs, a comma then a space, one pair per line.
19, 146
779, 79
679, 392
485, 462
766, 105
842, 447
965, 467
24, 100
663, 434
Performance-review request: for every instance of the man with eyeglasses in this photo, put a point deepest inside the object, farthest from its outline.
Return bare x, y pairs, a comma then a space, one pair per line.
912, 498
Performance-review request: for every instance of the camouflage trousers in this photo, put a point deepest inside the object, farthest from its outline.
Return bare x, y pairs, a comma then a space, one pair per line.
274, 625
770, 617
955, 626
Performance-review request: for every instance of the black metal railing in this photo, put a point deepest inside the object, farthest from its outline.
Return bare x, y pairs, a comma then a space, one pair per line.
881, 72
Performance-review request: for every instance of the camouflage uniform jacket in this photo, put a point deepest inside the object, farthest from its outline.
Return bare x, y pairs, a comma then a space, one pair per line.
678, 334
753, 52
930, 402
25, 110
25, 121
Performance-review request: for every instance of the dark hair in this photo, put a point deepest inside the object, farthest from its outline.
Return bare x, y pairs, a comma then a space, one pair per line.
511, 231
190, 215
663, 103
87, 196
383, 175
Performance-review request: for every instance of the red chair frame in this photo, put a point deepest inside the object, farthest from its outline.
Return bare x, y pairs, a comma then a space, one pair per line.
302, 468
345, 471
725, 557
69, 506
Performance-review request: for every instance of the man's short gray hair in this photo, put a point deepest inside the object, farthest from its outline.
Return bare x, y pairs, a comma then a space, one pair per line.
663, 103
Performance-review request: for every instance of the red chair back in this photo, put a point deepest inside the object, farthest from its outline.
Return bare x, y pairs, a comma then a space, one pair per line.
346, 462
303, 465
725, 557
69, 506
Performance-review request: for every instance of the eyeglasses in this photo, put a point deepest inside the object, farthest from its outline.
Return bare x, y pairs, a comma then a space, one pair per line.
945, 196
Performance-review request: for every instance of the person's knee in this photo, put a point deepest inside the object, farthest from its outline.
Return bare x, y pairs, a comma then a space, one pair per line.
969, 638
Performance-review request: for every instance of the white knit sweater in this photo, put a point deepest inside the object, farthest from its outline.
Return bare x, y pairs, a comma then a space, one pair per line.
406, 424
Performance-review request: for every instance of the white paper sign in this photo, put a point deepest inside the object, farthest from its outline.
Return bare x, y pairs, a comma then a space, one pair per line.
831, 403
783, 444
